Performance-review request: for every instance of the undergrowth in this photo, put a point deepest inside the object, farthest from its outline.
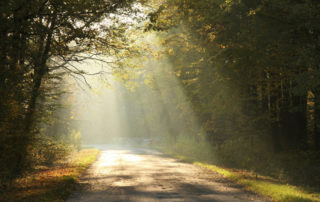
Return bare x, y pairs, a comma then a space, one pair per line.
54, 183
272, 182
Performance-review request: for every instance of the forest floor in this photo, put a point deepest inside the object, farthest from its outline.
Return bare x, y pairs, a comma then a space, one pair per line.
131, 174
50, 183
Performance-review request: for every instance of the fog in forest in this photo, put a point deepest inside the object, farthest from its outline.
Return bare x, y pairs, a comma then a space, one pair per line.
234, 84
141, 109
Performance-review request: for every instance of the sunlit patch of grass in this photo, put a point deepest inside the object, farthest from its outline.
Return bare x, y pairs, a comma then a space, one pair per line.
51, 183
265, 185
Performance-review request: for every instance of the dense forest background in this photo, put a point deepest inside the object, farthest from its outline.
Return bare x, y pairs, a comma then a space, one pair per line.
234, 82
249, 73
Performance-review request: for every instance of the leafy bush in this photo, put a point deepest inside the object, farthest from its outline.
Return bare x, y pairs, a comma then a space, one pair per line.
75, 139
46, 151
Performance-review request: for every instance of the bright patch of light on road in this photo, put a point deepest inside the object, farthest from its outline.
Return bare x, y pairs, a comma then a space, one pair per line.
118, 157
109, 158
131, 158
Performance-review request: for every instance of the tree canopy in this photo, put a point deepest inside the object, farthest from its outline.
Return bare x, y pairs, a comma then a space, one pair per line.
40, 41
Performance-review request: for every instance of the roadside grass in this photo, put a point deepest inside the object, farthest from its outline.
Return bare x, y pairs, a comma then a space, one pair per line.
265, 186
51, 183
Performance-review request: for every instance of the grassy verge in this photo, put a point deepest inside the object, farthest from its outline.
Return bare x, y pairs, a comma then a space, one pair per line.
262, 185
51, 183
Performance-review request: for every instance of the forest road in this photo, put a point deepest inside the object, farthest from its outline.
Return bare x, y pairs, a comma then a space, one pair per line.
129, 174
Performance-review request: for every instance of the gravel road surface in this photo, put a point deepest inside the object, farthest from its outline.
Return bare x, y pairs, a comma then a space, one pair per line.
131, 174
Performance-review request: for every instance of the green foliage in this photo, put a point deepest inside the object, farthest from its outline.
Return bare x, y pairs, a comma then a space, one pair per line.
250, 71
189, 146
46, 151
75, 139
41, 42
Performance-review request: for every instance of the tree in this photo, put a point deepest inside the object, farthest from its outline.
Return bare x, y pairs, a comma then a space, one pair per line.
41, 38
250, 69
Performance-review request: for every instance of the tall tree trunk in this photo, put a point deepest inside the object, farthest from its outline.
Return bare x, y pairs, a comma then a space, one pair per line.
316, 138
40, 71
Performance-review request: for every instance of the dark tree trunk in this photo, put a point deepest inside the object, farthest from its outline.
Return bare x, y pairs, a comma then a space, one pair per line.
316, 138
276, 137
40, 71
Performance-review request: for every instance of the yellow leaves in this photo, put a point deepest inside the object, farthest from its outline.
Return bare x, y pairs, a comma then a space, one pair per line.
189, 81
131, 85
178, 73
36, 186
171, 51
147, 82
155, 54
211, 36
200, 49
125, 76
227, 4
252, 12
223, 46
207, 27
175, 8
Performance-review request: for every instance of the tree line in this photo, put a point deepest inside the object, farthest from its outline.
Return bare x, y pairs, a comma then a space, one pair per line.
250, 70
40, 42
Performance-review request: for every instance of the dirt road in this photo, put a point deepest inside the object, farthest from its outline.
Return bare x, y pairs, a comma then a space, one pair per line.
145, 175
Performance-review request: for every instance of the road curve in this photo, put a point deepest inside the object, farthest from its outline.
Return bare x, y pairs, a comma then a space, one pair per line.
127, 174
